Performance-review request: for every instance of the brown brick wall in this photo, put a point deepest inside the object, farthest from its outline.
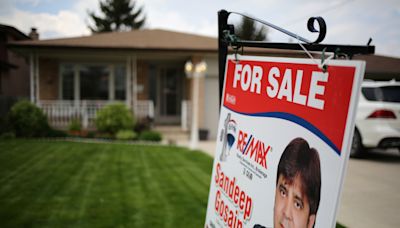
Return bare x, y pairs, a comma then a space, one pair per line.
48, 79
142, 79
14, 81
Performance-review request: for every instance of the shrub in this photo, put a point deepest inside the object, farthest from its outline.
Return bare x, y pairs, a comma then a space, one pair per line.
7, 135
113, 118
103, 135
5, 126
54, 133
91, 134
27, 120
75, 125
150, 136
141, 126
126, 135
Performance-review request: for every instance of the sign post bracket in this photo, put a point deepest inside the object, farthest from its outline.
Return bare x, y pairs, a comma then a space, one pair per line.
227, 37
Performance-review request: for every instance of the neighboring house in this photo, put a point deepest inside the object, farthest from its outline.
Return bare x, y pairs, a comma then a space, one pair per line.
14, 69
75, 77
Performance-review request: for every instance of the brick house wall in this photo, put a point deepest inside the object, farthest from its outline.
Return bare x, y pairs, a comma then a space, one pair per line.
14, 81
142, 79
48, 79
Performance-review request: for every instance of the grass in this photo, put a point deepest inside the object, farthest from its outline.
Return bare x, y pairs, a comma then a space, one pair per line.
65, 184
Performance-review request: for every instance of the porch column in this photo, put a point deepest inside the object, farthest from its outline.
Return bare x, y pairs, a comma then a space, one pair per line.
37, 79
131, 78
77, 86
128, 93
32, 77
134, 84
195, 72
111, 84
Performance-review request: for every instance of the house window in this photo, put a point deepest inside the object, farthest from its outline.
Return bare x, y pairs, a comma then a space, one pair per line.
94, 82
120, 82
67, 82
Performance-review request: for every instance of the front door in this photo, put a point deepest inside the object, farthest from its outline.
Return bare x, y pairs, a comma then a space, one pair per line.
169, 94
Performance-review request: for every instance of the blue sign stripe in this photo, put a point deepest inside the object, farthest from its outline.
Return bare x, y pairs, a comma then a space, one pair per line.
295, 119
245, 148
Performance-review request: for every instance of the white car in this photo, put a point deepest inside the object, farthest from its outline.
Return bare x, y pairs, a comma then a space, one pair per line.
378, 117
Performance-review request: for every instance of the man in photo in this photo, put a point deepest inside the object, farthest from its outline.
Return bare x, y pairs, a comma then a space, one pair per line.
298, 186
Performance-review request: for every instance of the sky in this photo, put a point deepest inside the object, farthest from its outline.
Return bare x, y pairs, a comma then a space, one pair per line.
349, 22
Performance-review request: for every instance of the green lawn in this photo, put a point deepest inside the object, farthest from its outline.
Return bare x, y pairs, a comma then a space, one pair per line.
66, 184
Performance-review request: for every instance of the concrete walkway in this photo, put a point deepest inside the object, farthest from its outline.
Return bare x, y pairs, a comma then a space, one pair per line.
206, 146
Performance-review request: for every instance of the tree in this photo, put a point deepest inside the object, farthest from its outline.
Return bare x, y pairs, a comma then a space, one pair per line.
247, 30
118, 15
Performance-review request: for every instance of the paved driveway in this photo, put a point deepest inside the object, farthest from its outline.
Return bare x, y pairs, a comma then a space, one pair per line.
371, 195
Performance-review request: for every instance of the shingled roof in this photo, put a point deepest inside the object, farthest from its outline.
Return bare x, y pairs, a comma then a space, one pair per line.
378, 67
156, 39
144, 40
18, 35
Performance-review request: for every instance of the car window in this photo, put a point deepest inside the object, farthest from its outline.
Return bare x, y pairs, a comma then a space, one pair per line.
385, 93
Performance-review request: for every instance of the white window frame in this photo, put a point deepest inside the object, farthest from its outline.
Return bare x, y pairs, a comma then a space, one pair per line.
77, 66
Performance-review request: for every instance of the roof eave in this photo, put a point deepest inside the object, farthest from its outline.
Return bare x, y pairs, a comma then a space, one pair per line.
100, 48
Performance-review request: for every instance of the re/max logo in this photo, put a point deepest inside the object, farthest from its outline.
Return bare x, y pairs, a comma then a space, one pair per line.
253, 148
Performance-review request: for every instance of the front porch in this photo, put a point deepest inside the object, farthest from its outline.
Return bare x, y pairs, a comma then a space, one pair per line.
69, 87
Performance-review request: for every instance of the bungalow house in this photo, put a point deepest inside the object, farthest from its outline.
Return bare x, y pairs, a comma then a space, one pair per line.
72, 78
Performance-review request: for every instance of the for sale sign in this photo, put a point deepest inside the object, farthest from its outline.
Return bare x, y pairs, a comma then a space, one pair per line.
285, 134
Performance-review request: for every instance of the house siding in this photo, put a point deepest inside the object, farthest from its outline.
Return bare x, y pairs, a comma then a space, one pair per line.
211, 99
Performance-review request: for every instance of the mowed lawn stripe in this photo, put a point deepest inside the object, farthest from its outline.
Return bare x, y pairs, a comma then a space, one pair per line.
91, 181
51, 176
79, 171
19, 180
18, 159
177, 171
187, 171
104, 185
199, 174
155, 175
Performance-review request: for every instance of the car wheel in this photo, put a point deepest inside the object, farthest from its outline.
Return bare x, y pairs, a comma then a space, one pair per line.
356, 146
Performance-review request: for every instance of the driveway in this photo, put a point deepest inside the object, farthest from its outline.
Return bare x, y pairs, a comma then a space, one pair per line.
371, 191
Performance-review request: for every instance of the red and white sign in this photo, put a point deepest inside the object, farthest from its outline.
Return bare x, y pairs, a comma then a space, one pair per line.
285, 135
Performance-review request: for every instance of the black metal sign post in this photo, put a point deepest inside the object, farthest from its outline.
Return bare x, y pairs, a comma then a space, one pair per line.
226, 38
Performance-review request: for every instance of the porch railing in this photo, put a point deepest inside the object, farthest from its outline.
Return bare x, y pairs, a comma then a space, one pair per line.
144, 109
60, 113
